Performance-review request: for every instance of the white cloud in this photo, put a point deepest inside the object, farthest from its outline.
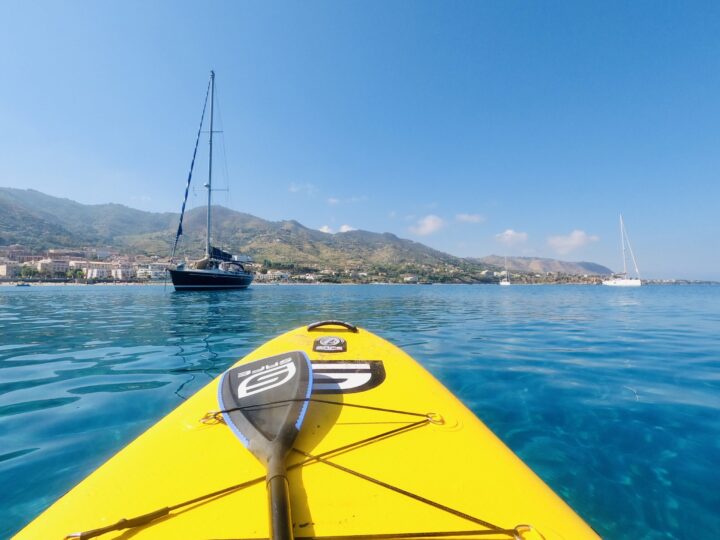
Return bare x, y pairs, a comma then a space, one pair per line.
511, 238
348, 200
470, 218
428, 225
576, 239
307, 188
325, 229
346, 228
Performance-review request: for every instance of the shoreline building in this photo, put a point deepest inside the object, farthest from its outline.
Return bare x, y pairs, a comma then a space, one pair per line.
152, 271
123, 271
53, 267
9, 269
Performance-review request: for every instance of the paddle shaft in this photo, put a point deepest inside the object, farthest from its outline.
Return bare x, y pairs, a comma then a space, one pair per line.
264, 402
278, 490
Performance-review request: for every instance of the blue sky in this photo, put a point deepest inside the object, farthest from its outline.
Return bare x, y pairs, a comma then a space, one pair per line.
517, 128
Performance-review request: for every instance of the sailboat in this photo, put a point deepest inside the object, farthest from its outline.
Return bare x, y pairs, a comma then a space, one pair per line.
506, 279
623, 280
218, 269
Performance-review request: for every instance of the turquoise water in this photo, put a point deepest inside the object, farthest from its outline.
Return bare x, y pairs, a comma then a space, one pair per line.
612, 396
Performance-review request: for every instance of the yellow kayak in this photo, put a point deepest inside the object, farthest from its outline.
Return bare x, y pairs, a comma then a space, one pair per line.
381, 450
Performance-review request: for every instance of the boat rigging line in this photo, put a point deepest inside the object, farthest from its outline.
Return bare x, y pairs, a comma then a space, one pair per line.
190, 173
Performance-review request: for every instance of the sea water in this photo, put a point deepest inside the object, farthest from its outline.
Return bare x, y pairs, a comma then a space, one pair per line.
611, 395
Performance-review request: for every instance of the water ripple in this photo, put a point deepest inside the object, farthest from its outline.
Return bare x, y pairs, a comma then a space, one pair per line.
612, 397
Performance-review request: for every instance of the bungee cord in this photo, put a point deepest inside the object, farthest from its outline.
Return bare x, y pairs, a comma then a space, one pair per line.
215, 417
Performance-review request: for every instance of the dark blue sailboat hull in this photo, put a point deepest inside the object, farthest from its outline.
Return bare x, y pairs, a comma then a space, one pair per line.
208, 280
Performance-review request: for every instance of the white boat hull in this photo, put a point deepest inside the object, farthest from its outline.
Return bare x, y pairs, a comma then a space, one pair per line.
622, 282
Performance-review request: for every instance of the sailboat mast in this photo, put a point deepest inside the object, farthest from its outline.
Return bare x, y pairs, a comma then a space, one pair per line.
622, 237
632, 255
209, 182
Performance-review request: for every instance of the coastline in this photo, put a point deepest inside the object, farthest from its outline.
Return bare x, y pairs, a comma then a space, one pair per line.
676, 282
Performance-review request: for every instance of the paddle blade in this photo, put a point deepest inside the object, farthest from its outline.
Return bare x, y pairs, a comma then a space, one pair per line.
264, 402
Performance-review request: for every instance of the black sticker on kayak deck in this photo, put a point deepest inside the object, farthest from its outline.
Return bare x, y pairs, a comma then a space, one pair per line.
346, 377
330, 344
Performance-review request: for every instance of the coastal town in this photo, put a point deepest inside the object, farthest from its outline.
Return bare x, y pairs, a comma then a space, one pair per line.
19, 264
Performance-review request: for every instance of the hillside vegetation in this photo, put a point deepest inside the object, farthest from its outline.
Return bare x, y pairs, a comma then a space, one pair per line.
40, 221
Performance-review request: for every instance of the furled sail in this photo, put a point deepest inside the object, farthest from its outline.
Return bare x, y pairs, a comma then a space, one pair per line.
192, 166
220, 255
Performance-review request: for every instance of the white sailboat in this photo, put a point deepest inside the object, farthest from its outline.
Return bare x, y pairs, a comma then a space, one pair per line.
505, 281
623, 279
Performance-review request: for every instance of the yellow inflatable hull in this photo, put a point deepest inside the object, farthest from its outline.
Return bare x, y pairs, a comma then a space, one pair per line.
385, 451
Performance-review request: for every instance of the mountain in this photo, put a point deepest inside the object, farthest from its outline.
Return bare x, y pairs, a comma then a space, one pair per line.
40, 221
289, 244
537, 265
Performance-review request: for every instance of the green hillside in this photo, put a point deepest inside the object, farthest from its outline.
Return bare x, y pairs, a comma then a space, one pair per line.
41, 222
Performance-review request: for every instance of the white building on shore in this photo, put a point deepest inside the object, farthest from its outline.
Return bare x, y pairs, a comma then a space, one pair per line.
52, 266
9, 269
272, 276
93, 269
123, 271
152, 271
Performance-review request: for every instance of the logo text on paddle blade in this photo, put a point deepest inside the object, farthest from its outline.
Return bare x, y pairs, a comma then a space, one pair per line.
265, 377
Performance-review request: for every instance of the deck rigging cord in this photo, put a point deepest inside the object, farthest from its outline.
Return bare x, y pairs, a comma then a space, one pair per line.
513, 533
214, 417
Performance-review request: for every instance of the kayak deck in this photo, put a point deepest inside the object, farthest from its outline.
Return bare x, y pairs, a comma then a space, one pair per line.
385, 451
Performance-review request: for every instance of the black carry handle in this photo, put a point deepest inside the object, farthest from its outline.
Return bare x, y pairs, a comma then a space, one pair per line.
346, 325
